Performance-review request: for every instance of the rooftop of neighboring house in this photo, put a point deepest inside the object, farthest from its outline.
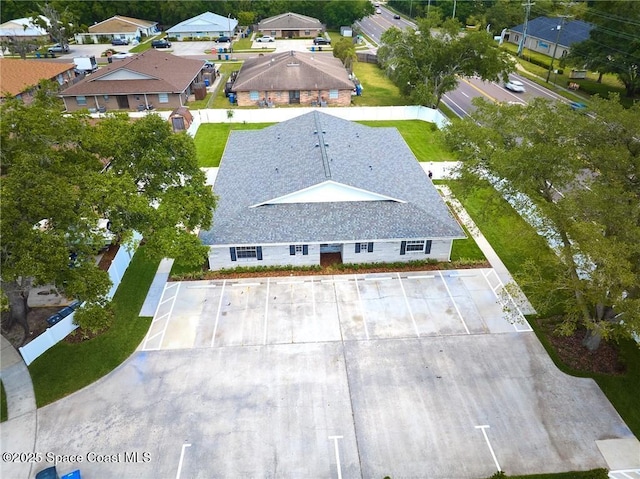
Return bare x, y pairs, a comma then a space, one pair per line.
17, 75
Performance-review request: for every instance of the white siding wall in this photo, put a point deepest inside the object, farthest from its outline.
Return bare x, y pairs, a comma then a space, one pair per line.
389, 252
219, 257
279, 255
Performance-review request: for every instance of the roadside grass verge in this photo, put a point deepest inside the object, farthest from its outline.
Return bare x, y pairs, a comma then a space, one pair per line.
3, 403
211, 140
220, 100
68, 367
424, 139
592, 474
515, 242
377, 90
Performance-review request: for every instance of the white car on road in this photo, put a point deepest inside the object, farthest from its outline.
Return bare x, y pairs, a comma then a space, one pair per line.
515, 86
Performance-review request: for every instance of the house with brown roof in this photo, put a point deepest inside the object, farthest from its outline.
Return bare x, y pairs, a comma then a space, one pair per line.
20, 78
290, 25
293, 78
152, 79
118, 27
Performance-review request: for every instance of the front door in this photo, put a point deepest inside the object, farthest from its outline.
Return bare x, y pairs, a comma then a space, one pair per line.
123, 102
294, 97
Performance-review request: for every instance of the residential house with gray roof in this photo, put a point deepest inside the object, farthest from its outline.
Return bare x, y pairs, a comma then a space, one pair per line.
319, 185
291, 25
292, 78
206, 25
149, 79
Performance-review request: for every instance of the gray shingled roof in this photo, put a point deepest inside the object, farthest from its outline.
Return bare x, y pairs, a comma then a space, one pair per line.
261, 165
292, 71
290, 21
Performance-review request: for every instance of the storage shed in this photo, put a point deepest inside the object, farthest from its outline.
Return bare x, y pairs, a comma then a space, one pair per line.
181, 119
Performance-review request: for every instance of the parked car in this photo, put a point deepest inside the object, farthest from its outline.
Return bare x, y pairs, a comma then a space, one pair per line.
321, 41
119, 41
161, 43
223, 40
121, 55
57, 48
265, 38
396, 17
378, 10
515, 86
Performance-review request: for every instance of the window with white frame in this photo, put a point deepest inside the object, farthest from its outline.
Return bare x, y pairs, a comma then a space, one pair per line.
82, 100
298, 249
415, 246
307, 32
163, 98
254, 95
333, 94
246, 252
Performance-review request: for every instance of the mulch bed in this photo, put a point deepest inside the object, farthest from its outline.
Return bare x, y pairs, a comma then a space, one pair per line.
604, 360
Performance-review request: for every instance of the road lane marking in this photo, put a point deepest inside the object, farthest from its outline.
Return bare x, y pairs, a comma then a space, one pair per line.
482, 92
335, 443
406, 300
454, 303
483, 428
184, 446
215, 327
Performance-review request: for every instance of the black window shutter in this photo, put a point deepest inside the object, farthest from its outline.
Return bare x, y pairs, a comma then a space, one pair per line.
305, 249
232, 250
427, 248
259, 251
357, 247
292, 250
403, 247
370, 247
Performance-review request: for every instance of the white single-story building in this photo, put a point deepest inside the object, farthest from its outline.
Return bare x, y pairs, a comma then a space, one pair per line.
207, 24
118, 27
317, 184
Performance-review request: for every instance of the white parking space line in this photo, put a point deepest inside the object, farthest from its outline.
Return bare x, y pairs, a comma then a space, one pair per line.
521, 318
215, 327
184, 446
313, 301
454, 303
382, 278
246, 284
428, 276
364, 321
483, 428
203, 286
335, 443
266, 315
406, 300
290, 282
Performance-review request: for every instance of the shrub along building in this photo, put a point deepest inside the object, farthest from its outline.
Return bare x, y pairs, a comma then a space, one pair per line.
292, 78
316, 185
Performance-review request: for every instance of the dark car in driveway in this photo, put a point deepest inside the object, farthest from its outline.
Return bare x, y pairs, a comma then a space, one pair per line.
223, 40
119, 41
161, 43
321, 41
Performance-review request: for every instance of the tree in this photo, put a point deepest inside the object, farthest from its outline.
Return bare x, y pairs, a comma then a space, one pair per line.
613, 45
345, 50
59, 25
20, 46
55, 188
425, 64
338, 12
582, 173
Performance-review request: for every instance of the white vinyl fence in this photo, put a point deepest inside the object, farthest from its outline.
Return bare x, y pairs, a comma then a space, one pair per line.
64, 327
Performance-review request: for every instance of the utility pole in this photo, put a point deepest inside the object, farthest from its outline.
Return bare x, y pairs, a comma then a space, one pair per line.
454, 9
555, 48
527, 12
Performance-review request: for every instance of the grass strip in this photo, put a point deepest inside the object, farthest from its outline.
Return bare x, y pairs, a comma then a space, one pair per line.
68, 367
3, 403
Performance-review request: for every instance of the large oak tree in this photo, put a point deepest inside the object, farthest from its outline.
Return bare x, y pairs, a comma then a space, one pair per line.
582, 173
71, 172
426, 63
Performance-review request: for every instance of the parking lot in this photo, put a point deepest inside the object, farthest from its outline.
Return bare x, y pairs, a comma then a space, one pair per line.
330, 308
398, 374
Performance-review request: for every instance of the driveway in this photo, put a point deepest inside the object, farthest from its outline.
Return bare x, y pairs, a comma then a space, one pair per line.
406, 375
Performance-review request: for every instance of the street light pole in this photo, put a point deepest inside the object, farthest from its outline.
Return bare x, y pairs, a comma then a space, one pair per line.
555, 48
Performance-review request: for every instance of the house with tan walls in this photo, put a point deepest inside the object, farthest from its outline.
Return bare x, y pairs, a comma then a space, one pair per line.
291, 25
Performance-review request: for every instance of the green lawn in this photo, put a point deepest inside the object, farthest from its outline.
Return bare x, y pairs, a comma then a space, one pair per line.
378, 90
592, 474
424, 139
67, 367
212, 138
3, 403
